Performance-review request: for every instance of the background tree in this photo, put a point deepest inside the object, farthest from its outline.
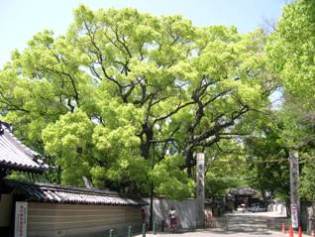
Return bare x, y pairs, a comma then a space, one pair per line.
291, 47
225, 168
291, 51
267, 161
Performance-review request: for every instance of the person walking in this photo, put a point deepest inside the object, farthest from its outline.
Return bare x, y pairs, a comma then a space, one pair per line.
173, 219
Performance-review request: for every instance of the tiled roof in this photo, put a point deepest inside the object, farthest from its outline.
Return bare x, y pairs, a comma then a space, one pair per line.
71, 195
243, 191
16, 156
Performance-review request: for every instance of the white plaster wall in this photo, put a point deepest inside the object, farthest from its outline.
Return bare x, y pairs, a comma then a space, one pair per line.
278, 208
186, 211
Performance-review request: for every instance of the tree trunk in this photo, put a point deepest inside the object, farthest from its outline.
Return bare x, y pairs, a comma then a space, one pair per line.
189, 161
147, 137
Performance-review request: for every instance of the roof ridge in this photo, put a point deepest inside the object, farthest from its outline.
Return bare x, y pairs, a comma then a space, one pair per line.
6, 133
42, 192
19, 142
64, 187
76, 189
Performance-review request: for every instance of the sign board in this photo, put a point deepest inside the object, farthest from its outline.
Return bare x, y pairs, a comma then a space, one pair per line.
294, 216
294, 186
200, 188
20, 227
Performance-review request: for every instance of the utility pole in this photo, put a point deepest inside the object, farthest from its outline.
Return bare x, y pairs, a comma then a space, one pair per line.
294, 186
200, 189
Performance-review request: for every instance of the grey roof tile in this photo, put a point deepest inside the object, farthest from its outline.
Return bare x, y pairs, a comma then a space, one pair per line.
71, 195
15, 155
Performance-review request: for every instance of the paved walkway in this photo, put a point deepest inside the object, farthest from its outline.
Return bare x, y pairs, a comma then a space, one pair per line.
238, 225
206, 233
221, 234
257, 214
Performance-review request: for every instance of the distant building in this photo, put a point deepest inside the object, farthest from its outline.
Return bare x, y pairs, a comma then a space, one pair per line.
243, 197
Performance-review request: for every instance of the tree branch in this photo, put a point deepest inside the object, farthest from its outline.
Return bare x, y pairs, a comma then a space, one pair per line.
173, 112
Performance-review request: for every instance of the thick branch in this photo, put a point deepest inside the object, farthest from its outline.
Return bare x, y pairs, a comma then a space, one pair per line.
100, 58
11, 106
178, 108
72, 81
214, 131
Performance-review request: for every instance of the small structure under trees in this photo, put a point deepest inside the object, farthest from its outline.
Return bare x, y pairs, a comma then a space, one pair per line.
243, 196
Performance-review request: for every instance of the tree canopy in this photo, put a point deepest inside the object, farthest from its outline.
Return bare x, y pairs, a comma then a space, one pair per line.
126, 98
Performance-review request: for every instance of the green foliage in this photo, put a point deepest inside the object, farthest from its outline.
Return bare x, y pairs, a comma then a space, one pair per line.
267, 159
121, 85
307, 182
226, 169
68, 140
170, 180
291, 49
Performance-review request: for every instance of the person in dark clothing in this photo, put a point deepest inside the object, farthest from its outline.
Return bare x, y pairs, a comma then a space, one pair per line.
173, 219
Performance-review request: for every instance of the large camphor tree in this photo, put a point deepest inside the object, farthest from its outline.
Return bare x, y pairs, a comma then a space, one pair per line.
125, 98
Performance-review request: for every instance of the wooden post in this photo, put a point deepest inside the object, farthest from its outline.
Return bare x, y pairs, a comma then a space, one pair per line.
144, 230
151, 206
200, 173
154, 227
129, 231
294, 186
111, 233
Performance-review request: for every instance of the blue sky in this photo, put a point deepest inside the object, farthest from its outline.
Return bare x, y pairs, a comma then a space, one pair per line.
21, 19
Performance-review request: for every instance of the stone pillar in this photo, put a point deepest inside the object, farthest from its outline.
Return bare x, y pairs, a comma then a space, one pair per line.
200, 196
294, 186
